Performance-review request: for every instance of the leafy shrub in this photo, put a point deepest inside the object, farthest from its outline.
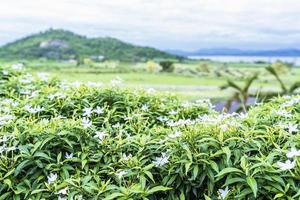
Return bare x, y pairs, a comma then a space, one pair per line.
281, 67
75, 141
203, 68
167, 66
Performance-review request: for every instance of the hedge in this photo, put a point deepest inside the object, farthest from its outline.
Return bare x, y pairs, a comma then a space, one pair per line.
78, 141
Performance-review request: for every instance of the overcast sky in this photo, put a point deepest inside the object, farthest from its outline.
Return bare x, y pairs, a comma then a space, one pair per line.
165, 24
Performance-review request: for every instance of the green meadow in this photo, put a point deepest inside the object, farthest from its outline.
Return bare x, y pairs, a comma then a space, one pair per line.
190, 79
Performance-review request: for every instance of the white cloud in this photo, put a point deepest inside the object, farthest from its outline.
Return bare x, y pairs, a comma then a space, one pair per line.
187, 24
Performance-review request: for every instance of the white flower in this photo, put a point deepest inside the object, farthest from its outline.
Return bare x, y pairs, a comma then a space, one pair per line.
162, 118
161, 141
160, 161
243, 115
293, 153
181, 122
291, 102
224, 193
14, 104
283, 113
76, 84
116, 82
18, 66
79, 197
117, 125
98, 110
5, 72
292, 128
120, 174
287, 165
145, 107
186, 104
61, 198
4, 138
63, 191
281, 125
86, 123
25, 92
224, 127
34, 94
43, 76
57, 95
137, 115
10, 149
100, 135
2, 149
25, 80
287, 104
61, 117
34, 109
52, 96
125, 157
205, 101
94, 84
44, 121
69, 156
173, 112
51, 178
175, 134
128, 118
87, 112
5, 119
6, 109
150, 91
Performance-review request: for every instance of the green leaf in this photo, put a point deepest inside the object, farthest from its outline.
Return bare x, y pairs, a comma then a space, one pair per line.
149, 174
253, 185
7, 182
214, 166
228, 170
114, 196
36, 146
182, 197
187, 167
8, 173
195, 172
279, 195
83, 163
42, 155
230, 181
227, 151
22, 165
243, 163
143, 181
5, 195
157, 189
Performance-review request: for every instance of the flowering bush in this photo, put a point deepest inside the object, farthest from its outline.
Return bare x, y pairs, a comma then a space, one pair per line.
73, 141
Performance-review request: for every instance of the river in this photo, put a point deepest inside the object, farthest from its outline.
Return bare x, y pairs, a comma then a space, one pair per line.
250, 59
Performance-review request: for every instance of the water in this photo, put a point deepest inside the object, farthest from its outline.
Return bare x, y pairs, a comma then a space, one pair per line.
250, 59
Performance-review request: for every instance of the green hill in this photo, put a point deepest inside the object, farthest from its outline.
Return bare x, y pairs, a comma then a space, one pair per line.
64, 45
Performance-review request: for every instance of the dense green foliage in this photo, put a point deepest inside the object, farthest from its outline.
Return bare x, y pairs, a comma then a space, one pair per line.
167, 66
74, 141
63, 45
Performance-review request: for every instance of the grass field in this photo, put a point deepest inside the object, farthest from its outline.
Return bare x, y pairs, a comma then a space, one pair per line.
187, 83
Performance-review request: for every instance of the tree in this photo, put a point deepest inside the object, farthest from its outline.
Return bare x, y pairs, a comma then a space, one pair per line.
167, 66
241, 93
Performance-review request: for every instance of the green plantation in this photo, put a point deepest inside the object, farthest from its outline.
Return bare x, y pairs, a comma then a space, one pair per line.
73, 141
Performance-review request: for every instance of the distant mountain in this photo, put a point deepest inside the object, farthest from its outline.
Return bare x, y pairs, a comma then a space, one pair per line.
179, 52
63, 45
237, 52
